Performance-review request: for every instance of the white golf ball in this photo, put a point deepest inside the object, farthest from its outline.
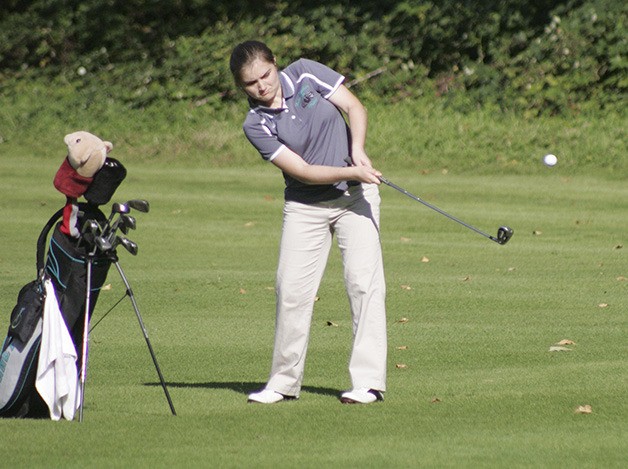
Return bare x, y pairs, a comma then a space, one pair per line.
550, 160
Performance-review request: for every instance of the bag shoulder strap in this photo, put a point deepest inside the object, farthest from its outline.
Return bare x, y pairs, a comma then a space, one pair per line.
41, 242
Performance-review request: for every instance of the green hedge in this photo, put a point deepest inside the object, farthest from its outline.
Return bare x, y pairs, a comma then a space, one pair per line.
522, 55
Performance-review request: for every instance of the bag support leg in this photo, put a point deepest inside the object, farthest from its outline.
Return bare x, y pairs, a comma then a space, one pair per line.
129, 292
88, 289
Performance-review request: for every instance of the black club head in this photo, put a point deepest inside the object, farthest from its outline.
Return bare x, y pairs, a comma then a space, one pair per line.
129, 245
129, 222
120, 208
103, 243
504, 233
90, 226
140, 205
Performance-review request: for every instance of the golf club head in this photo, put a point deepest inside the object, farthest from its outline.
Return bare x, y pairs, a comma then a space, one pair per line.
89, 231
128, 223
124, 223
103, 243
120, 208
119, 224
504, 233
90, 226
140, 205
128, 245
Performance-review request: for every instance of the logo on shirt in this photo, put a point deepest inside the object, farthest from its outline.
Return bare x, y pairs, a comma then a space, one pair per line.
306, 97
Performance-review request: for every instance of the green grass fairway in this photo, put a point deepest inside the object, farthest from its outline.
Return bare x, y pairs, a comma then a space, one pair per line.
472, 380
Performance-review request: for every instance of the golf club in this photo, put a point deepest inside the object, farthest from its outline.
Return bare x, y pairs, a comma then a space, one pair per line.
124, 222
127, 244
116, 208
102, 243
128, 223
504, 233
139, 204
90, 227
94, 237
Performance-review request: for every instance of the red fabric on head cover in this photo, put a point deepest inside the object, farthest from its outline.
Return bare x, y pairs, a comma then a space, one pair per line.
69, 182
70, 218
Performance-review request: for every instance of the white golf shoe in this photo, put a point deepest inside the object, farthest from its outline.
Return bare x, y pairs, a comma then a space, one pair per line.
361, 396
268, 396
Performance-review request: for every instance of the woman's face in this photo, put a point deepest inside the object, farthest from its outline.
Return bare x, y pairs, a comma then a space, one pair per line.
260, 80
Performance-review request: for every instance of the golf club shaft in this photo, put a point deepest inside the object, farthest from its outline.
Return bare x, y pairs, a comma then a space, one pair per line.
433, 207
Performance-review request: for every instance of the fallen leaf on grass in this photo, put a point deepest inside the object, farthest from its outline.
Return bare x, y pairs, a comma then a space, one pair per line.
406, 287
537, 233
403, 320
107, 287
621, 278
402, 347
249, 224
425, 259
242, 291
619, 246
405, 240
566, 342
584, 409
401, 365
603, 305
332, 324
436, 400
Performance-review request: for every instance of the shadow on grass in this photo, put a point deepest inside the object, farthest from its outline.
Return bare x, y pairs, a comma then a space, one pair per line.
244, 388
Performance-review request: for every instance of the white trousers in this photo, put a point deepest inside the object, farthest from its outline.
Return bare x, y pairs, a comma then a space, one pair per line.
305, 245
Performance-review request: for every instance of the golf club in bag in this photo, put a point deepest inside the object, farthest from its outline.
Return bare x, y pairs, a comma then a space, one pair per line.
102, 237
504, 233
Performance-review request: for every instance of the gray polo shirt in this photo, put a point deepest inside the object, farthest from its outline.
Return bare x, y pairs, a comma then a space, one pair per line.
307, 124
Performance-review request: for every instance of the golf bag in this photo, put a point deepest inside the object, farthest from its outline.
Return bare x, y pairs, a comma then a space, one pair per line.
65, 266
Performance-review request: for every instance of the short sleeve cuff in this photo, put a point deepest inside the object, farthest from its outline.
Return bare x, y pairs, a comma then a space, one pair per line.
274, 155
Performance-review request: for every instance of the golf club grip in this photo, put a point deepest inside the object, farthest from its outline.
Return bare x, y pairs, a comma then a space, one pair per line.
435, 208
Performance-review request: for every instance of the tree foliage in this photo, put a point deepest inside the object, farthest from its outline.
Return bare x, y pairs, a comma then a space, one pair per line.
531, 56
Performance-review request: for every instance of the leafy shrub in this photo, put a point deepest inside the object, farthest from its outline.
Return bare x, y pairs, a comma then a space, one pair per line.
536, 57
577, 61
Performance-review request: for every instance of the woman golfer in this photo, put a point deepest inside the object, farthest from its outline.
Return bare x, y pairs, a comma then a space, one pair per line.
295, 122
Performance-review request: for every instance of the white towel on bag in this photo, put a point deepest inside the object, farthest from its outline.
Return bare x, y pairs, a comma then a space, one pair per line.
57, 375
